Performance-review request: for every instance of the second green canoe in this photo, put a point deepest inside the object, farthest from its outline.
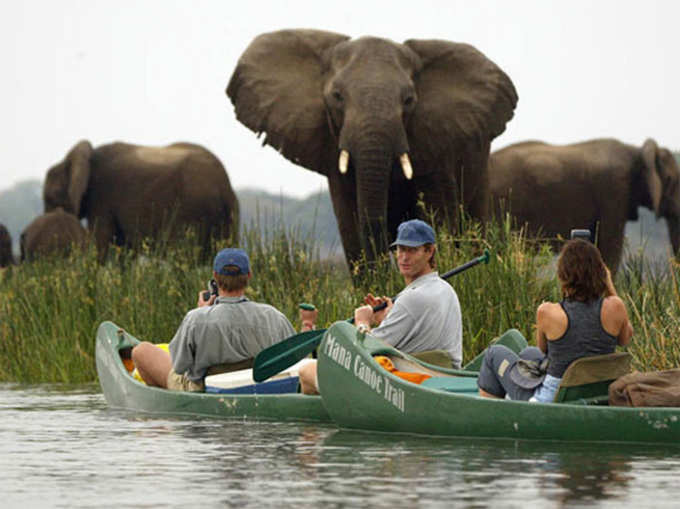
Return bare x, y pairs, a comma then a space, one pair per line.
359, 394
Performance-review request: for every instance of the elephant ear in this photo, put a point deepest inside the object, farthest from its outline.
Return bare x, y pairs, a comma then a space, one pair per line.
650, 174
462, 96
277, 89
78, 173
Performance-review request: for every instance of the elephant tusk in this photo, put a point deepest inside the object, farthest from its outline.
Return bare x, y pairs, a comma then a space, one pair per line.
406, 166
343, 161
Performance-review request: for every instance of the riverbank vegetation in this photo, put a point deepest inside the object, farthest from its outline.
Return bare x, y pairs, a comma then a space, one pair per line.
50, 309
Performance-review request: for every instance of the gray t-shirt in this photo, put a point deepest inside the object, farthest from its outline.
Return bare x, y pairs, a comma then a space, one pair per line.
425, 316
231, 330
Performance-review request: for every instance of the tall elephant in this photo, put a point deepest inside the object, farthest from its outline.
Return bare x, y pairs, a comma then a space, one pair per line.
388, 124
596, 184
6, 257
54, 232
129, 192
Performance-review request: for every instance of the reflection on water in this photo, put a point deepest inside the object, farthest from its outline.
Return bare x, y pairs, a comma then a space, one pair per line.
62, 447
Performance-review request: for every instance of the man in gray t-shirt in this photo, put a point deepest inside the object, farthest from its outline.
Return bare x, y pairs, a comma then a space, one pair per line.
224, 329
425, 315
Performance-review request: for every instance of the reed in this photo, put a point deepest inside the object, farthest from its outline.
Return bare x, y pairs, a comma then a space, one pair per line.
50, 309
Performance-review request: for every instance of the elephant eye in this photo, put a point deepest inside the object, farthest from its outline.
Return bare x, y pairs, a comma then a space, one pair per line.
409, 102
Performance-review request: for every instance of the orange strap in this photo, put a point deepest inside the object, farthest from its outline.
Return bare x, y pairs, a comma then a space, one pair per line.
387, 364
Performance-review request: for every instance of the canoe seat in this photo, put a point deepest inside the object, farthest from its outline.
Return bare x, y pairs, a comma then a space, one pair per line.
439, 358
218, 369
512, 338
465, 385
587, 379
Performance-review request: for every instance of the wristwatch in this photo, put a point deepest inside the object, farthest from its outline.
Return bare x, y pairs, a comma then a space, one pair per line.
363, 328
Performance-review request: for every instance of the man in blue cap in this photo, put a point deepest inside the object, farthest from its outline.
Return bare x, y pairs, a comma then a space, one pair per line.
227, 328
425, 315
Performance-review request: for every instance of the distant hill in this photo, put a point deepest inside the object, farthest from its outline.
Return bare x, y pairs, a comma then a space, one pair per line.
312, 215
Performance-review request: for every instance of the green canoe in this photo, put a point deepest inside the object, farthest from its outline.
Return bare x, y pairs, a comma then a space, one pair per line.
359, 394
123, 391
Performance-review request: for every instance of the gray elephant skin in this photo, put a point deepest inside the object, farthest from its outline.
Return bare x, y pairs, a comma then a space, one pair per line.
53, 233
596, 184
388, 124
131, 192
6, 257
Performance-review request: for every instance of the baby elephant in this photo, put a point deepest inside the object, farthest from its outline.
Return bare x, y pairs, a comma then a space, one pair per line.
54, 232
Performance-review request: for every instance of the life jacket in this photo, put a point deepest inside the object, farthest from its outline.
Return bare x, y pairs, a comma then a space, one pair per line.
388, 365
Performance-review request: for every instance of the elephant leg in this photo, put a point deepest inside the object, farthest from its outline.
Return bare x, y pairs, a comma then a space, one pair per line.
439, 193
610, 243
343, 196
104, 231
473, 176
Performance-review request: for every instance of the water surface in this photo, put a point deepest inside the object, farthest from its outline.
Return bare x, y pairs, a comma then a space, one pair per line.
62, 447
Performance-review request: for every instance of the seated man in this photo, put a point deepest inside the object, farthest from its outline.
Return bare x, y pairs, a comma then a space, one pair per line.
426, 313
226, 328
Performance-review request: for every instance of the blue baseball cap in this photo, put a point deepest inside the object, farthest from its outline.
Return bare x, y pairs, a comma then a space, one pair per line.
414, 233
232, 256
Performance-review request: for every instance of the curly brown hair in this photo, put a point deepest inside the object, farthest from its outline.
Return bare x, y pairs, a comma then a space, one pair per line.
581, 271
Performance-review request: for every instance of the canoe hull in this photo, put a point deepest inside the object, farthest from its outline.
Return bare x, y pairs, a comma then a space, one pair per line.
359, 394
122, 391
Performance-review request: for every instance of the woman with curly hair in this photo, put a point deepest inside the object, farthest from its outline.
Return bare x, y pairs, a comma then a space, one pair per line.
590, 320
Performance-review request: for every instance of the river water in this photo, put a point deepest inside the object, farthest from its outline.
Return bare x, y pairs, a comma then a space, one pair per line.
62, 447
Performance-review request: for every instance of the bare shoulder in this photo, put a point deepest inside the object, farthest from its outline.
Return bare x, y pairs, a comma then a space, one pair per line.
549, 310
614, 318
551, 320
613, 305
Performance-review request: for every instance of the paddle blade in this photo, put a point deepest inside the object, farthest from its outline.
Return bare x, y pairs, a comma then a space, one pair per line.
284, 354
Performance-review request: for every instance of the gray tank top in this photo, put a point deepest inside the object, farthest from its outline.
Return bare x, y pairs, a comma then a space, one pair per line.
584, 336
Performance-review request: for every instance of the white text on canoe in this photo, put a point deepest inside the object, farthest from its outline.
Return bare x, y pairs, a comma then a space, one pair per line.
364, 372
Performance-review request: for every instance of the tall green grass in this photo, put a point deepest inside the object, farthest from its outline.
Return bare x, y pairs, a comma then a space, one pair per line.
50, 309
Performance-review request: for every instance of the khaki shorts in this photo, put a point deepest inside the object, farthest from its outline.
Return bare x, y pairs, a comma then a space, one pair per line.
182, 383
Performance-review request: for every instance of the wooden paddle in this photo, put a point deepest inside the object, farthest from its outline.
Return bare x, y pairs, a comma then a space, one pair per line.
283, 354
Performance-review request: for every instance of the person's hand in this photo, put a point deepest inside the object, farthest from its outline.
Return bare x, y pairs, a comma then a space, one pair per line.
378, 316
201, 303
363, 316
308, 319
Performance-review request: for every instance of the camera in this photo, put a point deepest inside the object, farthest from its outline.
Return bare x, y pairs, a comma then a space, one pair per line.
580, 234
212, 290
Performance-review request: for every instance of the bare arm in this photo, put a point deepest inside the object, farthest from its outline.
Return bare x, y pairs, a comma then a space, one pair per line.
614, 314
615, 320
541, 339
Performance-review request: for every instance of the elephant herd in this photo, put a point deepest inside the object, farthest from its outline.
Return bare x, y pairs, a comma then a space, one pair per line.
128, 193
393, 127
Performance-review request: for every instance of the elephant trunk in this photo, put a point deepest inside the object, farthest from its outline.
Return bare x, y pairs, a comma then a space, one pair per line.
373, 142
373, 169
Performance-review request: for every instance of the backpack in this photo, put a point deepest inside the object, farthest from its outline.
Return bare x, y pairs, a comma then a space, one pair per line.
655, 388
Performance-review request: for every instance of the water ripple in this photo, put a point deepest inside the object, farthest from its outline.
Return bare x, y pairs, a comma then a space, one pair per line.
62, 447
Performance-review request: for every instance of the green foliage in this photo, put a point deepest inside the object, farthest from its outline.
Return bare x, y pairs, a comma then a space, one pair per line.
50, 309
